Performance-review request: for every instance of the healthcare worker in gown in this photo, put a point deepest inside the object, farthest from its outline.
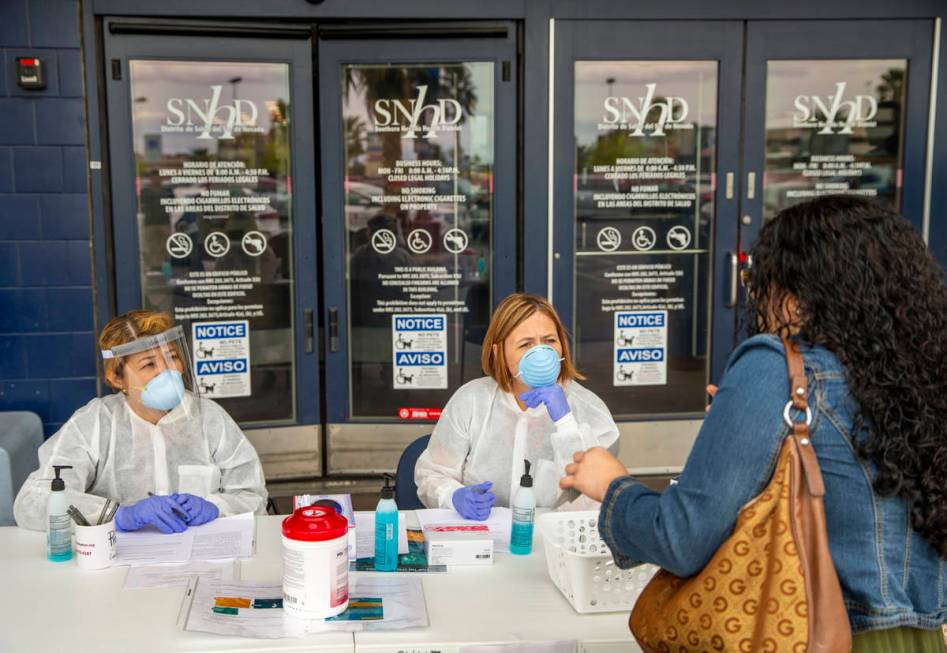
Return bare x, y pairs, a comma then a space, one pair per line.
155, 435
529, 406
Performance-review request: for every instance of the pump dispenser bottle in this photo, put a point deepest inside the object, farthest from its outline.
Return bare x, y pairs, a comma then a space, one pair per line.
524, 510
58, 523
386, 529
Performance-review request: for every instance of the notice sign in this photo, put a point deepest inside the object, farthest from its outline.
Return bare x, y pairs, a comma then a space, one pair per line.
222, 358
419, 344
641, 348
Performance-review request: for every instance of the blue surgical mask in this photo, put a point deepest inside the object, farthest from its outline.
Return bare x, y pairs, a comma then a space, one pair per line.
164, 392
539, 366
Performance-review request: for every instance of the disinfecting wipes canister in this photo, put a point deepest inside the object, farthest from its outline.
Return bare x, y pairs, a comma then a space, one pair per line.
315, 563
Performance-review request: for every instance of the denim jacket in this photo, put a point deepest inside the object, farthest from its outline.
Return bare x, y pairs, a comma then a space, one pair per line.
890, 575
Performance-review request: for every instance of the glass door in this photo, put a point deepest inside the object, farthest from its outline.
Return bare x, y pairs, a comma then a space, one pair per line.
647, 122
419, 228
835, 107
207, 137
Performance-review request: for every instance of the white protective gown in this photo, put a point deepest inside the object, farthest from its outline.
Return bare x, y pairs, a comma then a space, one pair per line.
116, 454
483, 435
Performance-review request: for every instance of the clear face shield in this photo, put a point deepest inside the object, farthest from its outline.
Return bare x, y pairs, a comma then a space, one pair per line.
156, 372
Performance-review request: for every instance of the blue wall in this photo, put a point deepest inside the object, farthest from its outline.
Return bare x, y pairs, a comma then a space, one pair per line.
47, 352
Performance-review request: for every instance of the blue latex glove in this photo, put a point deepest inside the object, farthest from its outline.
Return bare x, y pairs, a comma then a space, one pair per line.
157, 511
474, 501
552, 396
199, 511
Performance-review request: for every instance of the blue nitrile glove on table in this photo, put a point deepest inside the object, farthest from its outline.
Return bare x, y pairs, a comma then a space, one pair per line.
199, 510
552, 396
474, 501
159, 511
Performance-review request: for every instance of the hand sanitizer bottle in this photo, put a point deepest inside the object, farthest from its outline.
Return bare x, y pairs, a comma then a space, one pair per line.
524, 510
58, 522
386, 529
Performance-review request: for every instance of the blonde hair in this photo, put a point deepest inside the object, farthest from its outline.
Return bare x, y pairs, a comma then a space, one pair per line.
511, 312
123, 329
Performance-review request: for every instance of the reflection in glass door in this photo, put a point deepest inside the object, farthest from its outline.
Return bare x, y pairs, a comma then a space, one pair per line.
215, 222
205, 140
647, 126
645, 161
844, 111
419, 164
419, 230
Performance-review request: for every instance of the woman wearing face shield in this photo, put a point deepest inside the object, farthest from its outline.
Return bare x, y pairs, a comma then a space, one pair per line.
171, 458
529, 406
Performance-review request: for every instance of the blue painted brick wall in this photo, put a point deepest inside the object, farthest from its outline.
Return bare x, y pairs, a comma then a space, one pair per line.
47, 346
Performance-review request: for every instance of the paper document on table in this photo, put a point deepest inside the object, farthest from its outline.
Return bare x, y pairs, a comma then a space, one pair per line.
225, 537
564, 646
500, 523
149, 547
365, 535
177, 575
254, 609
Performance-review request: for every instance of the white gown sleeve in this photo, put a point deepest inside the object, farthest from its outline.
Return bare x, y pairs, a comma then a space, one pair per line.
439, 470
69, 446
571, 436
242, 485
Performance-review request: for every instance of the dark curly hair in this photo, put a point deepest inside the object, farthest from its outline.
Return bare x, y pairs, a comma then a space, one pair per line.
853, 276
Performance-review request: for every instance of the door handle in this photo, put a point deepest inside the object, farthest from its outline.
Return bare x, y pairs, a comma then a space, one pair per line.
307, 315
733, 283
333, 330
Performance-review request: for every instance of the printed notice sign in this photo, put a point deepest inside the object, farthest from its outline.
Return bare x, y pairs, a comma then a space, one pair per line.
419, 346
222, 358
641, 348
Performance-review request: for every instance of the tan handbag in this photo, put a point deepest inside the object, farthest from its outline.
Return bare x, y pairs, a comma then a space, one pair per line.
771, 586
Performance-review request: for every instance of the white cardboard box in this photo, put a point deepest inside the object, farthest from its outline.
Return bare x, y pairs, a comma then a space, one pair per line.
458, 545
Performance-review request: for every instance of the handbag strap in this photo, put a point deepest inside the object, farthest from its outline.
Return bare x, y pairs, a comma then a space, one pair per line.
799, 399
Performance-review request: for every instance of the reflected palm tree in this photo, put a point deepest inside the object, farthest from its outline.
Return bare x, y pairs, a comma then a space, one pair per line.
401, 83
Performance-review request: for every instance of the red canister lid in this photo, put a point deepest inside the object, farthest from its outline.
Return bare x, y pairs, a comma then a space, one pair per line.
315, 524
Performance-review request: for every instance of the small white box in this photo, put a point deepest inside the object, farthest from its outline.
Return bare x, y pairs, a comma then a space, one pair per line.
457, 544
337, 501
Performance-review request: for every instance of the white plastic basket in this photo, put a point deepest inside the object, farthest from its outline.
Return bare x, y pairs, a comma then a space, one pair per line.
581, 566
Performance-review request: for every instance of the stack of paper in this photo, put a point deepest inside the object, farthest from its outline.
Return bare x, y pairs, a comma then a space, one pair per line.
226, 537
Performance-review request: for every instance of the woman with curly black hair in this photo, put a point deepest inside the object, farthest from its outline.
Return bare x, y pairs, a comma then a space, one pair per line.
854, 286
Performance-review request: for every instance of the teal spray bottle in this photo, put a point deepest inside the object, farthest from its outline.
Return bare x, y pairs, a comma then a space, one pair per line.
58, 522
386, 529
524, 510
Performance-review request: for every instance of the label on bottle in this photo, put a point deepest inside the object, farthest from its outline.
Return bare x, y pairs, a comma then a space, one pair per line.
522, 536
60, 534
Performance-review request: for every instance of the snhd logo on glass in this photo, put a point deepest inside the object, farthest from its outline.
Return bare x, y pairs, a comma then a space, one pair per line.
833, 113
211, 118
639, 117
394, 116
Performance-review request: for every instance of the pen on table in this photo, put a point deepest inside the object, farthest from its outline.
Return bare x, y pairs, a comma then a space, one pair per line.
105, 509
77, 516
177, 511
111, 513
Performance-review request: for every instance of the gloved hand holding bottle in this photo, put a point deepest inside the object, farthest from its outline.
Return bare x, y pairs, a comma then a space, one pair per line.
474, 501
159, 511
199, 510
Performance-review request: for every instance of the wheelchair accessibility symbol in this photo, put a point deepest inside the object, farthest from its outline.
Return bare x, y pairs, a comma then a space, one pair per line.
217, 244
419, 241
643, 238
